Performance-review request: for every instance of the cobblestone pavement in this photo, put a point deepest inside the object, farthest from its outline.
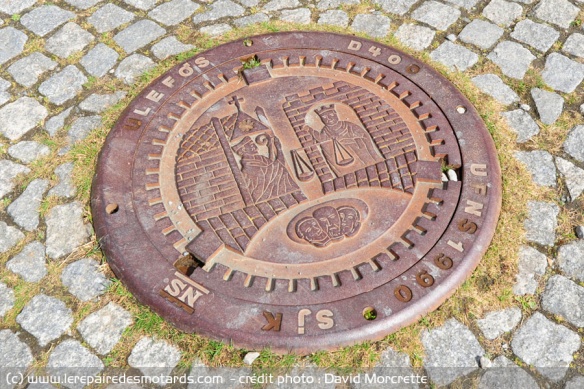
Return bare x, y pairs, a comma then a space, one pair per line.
55, 58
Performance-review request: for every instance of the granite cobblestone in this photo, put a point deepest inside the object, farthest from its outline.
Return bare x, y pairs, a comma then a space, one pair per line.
541, 166
454, 56
376, 26
20, 117
481, 34
334, 18
26, 71
539, 36
414, 36
276, 5
63, 86
109, 17
561, 73
324, 5
216, 29
502, 12
573, 176
574, 45
492, 85
512, 58
4, 94
46, 318
558, 12
173, 12
396, 7
8, 172
170, 46
24, 211
99, 60
549, 105
144, 5
30, 263
6, 299
541, 224
547, 346
12, 7
219, 9
28, 151
521, 123
45, 19
299, 15
70, 39
132, 67
138, 35
12, 43
437, 15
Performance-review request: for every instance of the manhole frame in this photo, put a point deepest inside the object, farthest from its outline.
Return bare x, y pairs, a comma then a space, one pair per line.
449, 100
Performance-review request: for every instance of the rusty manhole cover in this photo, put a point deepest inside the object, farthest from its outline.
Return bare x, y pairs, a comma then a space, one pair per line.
306, 189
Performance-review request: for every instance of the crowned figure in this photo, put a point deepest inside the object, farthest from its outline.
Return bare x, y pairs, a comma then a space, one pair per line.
346, 146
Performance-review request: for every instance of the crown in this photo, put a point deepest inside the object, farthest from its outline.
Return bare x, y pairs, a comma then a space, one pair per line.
325, 108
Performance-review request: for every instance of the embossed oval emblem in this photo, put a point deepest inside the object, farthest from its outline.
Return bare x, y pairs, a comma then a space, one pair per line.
328, 222
272, 206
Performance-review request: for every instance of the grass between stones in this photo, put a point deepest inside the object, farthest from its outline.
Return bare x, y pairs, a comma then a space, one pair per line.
488, 288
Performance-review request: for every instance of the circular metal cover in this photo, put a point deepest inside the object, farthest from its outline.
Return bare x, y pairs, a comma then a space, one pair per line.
286, 191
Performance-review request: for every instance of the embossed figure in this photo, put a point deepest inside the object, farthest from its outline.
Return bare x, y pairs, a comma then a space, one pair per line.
329, 224
350, 221
329, 220
344, 143
309, 230
266, 177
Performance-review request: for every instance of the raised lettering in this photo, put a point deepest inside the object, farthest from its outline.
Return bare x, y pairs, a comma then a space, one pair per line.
186, 70
301, 315
191, 292
168, 81
443, 262
142, 113
202, 62
154, 96
467, 226
191, 282
473, 208
190, 296
355, 45
375, 51
478, 169
175, 287
394, 59
325, 319
425, 279
403, 293
480, 189
274, 323
132, 124
456, 246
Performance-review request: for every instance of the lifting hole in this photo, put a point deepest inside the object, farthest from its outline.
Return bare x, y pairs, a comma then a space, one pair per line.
461, 109
413, 69
247, 42
112, 208
370, 313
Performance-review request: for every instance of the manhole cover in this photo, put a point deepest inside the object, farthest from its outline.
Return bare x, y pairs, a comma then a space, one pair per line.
301, 172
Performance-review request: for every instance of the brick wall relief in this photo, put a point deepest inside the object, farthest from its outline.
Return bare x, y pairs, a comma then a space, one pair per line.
350, 138
232, 175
